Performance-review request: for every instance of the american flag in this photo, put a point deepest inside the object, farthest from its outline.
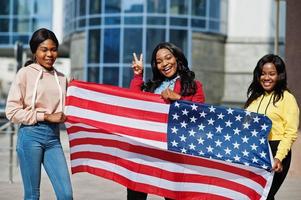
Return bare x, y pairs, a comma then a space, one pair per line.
132, 138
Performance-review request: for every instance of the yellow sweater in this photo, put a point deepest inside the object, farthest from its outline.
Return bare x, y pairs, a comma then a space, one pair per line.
285, 119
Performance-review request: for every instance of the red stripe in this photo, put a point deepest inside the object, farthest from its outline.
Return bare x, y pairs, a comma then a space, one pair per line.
167, 175
118, 110
171, 157
113, 90
112, 128
151, 189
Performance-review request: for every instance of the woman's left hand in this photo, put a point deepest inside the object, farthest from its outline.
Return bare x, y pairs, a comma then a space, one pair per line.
168, 94
277, 167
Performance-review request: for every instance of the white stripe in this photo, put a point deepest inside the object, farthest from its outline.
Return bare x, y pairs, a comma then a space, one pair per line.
119, 137
169, 166
159, 182
116, 120
117, 100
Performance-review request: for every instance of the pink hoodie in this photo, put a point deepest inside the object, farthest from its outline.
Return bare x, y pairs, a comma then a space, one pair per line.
35, 91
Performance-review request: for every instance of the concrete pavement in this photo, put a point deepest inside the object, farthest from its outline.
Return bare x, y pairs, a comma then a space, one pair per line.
90, 187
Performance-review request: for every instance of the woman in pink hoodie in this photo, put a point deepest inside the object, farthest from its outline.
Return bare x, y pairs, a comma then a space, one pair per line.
36, 101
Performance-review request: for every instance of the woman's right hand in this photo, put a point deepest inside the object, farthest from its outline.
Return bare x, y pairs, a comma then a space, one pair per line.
58, 117
137, 64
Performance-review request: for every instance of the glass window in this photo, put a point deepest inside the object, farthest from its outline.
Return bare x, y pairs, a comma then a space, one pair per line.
111, 45
133, 20
148, 73
215, 9
156, 20
95, 7
127, 76
179, 38
82, 23
178, 7
43, 9
198, 7
4, 25
198, 23
40, 23
111, 75
21, 7
4, 8
21, 25
93, 74
112, 6
153, 38
156, 6
94, 21
133, 6
4, 39
21, 38
214, 25
112, 20
178, 21
82, 7
93, 46
132, 43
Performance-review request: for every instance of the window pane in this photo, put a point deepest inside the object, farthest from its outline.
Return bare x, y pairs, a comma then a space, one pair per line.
198, 23
215, 9
178, 21
132, 43
133, 20
148, 73
82, 7
111, 75
111, 45
21, 38
94, 21
154, 37
133, 6
112, 20
93, 74
4, 25
156, 6
4, 8
127, 76
112, 6
156, 20
178, 7
198, 7
21, 7
21, 25
93, 46
40, 23
43, 9
95, 7
214, 25
179, 38
4, 39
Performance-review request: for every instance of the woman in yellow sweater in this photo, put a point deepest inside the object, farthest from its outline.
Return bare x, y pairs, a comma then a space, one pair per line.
268, 94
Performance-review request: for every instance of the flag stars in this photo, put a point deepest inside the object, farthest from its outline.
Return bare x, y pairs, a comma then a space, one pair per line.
201, 127
238, 118
245, 139
183, 150
175, 116
192, 133
218, 143
203, 114
219, 155
230, 111
194, 107
236, 131
245, 153
254, 160
264, 127
183, 138
227, 137
209, 135
254, 147
256, 119
227, 151
254, 133
219, 129
201, 140
210, 121
228, 123
185, 112
174, 143
212, 109
248, 113
220, 116
192, 146
183, 124
177, 104
193, 119
236, 145
174, 130
262, 140
209, 149
201, 153
236, 158
246, 125
262, 154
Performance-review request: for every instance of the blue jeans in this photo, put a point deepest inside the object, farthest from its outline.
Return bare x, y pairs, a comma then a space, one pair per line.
40, 144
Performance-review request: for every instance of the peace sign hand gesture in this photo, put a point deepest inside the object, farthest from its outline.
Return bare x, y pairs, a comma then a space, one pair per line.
137, 65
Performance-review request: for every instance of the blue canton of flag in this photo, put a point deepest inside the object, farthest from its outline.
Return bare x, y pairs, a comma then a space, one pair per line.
228, 134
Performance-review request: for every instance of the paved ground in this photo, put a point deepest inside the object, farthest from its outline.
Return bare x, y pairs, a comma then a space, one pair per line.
89, 187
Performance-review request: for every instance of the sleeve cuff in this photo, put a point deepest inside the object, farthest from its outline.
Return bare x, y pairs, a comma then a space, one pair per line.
279, 156
40, 116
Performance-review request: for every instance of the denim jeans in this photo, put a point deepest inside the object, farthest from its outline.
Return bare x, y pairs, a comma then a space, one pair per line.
40, 144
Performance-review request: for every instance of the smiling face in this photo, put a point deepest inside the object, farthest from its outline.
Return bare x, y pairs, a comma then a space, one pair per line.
268, 77
46, 53
166, 63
